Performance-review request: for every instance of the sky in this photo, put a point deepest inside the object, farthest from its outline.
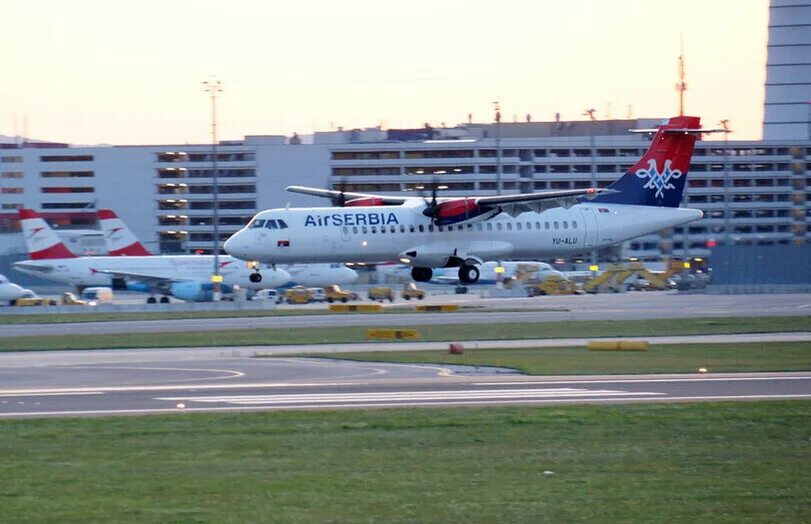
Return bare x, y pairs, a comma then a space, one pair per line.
102, 72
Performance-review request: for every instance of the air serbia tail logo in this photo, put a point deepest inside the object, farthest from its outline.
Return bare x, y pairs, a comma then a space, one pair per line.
659, 181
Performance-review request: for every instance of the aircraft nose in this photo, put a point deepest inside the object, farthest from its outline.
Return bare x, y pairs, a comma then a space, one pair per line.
236, 246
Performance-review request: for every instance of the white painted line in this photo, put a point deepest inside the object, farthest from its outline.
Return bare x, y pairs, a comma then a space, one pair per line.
708, 378
407, 396
175, 387
52, 394
604, 400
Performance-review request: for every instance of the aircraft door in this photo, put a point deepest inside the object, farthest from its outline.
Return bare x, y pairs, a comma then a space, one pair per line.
345, 233
590, 223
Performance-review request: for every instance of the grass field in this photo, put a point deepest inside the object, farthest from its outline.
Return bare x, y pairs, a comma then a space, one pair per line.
729, 463
454, 332
677, 358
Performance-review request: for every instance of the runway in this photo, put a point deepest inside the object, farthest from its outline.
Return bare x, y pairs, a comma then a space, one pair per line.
626, 306
186, 382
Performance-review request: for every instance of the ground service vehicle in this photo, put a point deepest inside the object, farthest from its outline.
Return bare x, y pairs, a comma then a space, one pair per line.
554, 285
34, 301
69, 299
298, 295
381, 294
335, 294
319, 295
267, 294
411, 291
98, 295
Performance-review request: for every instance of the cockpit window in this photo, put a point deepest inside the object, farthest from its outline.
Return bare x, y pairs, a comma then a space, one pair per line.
282, 224
271, 224
257, 223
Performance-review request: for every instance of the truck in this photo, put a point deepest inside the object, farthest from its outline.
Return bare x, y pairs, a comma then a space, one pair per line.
554, 285
335, 294
412, 291
381, 294
69, 299
298, 295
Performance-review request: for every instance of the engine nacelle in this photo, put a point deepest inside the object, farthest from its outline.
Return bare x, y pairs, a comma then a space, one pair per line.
461, 211
195, 291
365, 201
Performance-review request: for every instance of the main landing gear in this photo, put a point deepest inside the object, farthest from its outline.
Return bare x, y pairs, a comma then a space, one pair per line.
421, 274
152, 300
468, 274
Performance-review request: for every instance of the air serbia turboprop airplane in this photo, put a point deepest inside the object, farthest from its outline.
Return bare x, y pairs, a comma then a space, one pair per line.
463, 232
183, 276
122, 242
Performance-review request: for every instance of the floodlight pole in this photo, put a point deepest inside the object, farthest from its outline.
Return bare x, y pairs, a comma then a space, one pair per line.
213, 87
498, 146
725, 125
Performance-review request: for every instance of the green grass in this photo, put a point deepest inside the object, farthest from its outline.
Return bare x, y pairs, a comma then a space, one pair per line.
61, 318
455, 332
659, 463
676, 358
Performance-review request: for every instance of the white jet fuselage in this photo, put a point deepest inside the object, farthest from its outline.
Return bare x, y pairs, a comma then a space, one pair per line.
86, 271
388, 233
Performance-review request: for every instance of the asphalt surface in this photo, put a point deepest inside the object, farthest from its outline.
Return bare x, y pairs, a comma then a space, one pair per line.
626, 306
133, 382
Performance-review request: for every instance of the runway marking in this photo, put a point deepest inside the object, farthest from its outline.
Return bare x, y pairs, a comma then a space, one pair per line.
706, 378
228, 372
401, 396
184, 387
604, 400
50, 394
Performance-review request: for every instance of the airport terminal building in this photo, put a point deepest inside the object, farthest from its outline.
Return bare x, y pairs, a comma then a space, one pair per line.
752, 192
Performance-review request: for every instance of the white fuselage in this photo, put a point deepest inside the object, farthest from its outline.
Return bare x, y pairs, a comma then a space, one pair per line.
319, 275
389, 233
10, 291
85, 271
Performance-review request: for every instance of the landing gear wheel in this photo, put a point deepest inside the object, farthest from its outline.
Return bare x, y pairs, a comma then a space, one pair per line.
151, 300
255, 277
422, 274
468, 274
164, 300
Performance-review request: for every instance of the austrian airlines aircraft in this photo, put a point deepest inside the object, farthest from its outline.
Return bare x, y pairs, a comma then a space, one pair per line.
183, 276
10, 291
121, 241
463, 232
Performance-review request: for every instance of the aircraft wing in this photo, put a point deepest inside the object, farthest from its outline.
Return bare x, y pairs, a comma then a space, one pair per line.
514, 205
347, 195
153, 281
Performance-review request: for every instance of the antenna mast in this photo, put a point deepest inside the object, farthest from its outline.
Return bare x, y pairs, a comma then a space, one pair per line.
681, 87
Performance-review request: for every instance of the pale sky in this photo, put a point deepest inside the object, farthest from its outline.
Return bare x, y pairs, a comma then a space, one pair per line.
89, 72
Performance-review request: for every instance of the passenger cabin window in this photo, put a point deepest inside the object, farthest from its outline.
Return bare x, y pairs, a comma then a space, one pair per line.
479, 227
565, 224
574, 224
546, 225
557, 224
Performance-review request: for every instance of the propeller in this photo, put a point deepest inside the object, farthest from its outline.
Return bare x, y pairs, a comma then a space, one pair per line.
340, 200
431, 206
